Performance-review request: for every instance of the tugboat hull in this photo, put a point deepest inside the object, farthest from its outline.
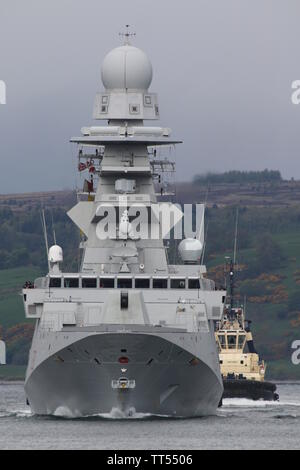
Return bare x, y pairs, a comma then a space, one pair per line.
254, 390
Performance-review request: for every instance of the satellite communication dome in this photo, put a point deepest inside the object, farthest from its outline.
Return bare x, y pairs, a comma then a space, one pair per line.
126, 67
55, 254
190, 250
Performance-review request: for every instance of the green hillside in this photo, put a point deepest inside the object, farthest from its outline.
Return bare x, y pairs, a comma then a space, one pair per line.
270, 284
268, 258
11, 304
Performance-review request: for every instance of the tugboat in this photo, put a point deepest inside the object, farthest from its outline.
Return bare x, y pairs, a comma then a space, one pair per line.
243, 372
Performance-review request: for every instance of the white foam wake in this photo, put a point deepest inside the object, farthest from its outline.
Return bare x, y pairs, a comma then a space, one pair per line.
246, 402
116, 413
65, 412
24, 413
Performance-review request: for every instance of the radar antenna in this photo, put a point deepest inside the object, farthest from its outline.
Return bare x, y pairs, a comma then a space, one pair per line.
44, 227
53, 228
127, 35
236, 236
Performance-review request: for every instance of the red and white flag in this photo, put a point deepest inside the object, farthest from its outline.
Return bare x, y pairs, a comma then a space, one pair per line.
81, 166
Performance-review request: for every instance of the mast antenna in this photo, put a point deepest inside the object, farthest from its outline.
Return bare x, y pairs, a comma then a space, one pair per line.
204, 244
127, 35
44, 226
202, 227
236, 236
233, 263
53, 228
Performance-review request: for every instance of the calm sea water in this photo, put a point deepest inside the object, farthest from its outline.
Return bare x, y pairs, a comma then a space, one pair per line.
240, 424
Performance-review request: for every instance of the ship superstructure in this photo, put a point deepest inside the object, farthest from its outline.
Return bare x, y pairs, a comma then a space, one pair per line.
129, 331
233, 335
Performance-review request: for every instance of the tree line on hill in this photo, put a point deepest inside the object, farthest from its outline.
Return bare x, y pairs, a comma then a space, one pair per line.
235, 176
22, 241
260, 228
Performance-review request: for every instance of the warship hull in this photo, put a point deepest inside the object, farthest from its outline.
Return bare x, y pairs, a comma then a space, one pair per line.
166, 379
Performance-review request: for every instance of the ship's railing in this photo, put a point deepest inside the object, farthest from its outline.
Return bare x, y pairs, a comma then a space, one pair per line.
167, 166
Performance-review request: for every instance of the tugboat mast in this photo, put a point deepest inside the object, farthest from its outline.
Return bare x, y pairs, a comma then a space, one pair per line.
231, 288
232, 264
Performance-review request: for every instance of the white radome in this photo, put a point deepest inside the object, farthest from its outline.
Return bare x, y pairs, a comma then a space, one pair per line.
126, 67
190, 250
55, 254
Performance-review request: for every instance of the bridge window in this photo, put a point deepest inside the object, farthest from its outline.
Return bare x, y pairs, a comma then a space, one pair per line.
231, 339
71, 282
142, 283
55, 282
107, 282
177, 283
222, 341
194, 284
124, 283
241, 341
160, 283
89, 282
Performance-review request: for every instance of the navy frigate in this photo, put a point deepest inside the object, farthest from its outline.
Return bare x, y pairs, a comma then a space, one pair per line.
129, 331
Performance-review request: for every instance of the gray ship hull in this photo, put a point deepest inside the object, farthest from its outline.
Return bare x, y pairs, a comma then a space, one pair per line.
169, 380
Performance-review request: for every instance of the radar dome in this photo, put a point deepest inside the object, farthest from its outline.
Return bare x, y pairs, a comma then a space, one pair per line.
55, 254
190, 250
126, 67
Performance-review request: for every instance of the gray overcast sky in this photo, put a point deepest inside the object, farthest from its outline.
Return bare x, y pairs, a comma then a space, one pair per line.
222, 68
